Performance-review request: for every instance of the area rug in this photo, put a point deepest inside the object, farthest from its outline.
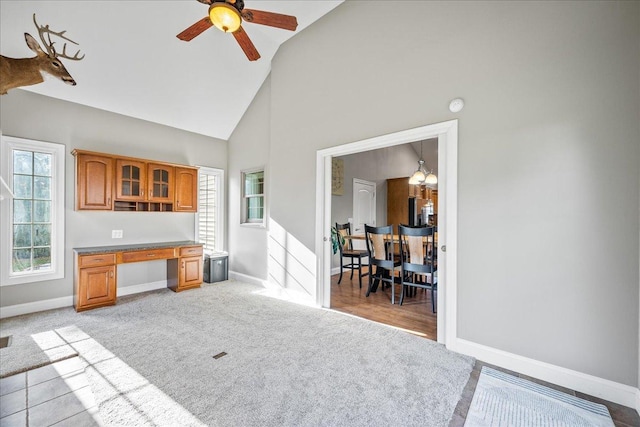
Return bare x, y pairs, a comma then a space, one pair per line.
157, 359
501, 399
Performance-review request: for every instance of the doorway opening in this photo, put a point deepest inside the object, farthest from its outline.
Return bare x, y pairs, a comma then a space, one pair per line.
447, 136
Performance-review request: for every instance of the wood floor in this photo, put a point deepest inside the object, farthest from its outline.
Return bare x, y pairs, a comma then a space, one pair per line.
414, 315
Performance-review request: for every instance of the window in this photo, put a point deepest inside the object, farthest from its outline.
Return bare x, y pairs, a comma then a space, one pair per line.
32, 220
253, 197
209, 219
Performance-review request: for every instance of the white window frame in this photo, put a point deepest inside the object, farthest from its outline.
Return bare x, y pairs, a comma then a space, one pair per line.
219, 173
57, 210
244, 221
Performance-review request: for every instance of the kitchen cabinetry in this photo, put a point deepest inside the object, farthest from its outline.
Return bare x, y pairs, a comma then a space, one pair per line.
94, 182
398, 193
139, 184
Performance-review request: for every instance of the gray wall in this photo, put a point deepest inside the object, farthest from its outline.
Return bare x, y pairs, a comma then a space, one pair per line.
27, 115
250, 142
548, 165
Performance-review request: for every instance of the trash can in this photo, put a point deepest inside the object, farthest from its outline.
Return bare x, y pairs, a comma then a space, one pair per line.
216, 267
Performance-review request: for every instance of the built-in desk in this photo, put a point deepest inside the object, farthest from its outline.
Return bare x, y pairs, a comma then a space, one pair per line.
95, 272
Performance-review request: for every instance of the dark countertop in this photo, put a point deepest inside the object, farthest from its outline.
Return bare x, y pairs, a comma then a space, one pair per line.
133, 247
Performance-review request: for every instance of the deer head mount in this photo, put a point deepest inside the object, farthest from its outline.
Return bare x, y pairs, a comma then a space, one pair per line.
16, 72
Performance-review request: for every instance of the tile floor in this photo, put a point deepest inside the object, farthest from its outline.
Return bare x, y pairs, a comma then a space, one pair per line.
59, 395
622, 416
53, 395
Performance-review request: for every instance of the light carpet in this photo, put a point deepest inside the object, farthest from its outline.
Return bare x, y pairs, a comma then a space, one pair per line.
501, 399
150, 362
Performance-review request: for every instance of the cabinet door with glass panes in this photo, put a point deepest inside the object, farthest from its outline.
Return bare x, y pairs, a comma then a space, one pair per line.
160, 183
130, 180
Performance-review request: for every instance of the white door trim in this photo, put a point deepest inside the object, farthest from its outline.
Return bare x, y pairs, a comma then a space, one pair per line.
447, 134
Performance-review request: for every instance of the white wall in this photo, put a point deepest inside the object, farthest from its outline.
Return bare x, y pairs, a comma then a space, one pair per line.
548, 161
28, 115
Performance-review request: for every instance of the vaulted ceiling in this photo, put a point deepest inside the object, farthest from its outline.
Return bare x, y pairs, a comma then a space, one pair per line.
136, 66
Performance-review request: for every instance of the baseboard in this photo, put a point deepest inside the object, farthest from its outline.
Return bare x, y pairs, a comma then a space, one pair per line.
50, 304
241, 277
599, 387
33, 307
143, 287
335, 270
274, 290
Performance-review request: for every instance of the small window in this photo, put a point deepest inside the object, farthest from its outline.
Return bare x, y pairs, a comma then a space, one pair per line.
209, 219
253, 197
32, 225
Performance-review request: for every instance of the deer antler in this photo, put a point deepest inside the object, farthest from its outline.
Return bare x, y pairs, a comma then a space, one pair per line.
48, 44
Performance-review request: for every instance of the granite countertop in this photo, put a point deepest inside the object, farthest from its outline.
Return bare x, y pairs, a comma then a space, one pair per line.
133, 247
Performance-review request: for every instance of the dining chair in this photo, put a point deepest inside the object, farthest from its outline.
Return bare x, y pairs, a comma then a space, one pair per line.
347, 251
419, 266
380, 248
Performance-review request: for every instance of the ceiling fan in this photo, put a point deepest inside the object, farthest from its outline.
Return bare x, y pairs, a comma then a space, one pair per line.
227, 16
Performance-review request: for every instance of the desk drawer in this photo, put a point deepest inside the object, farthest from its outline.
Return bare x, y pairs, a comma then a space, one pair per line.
148, 255
96, 260
191, 251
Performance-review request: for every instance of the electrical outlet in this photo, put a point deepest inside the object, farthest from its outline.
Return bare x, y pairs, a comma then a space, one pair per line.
116, 234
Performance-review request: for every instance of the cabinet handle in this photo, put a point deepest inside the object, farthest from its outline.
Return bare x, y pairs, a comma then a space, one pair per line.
111, 274
109, 200
98, 260
182, 264
178, 202
151, 254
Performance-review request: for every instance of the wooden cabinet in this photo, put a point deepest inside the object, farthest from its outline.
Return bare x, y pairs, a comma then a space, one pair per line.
108, 182
160, 182
94, 182
186, 189
398, 193
186, 272
95, 281
130, 179
95, 278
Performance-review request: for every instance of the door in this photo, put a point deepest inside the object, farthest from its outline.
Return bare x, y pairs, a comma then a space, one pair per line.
160, 183
364, 208
130, 179
186, 190
94, 182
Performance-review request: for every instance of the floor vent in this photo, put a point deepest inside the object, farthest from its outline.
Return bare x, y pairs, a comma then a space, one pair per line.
219, 355
5, 341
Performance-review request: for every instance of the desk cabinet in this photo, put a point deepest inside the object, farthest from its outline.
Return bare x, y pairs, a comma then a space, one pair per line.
95, 272
185, 272
95, 282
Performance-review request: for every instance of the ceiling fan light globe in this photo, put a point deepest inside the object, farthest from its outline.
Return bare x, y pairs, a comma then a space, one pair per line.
225, 17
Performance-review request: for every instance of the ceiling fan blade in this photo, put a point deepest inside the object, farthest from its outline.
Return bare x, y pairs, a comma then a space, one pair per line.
278, 20
246, 44
196, 29
206, 1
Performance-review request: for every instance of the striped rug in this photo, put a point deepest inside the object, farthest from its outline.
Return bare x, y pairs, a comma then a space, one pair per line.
501, 399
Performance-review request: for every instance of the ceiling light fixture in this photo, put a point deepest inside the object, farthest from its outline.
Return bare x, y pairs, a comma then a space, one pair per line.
420, 176
456, 105
225, 17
